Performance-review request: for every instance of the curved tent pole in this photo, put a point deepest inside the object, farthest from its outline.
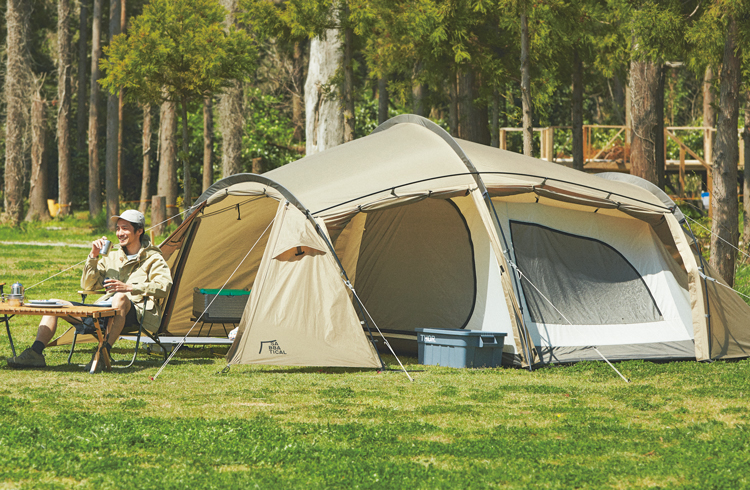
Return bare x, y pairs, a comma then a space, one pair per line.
246, 177
419, 120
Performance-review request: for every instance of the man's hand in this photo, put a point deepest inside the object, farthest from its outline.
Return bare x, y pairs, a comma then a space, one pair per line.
115, 286
96, 246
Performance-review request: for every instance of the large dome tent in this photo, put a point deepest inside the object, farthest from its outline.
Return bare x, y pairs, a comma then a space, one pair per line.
432, 231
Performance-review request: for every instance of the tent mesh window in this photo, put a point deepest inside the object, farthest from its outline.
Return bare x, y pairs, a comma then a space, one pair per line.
416, 267
586, 280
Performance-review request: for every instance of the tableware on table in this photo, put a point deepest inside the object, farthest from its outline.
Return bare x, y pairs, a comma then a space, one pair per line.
44, 304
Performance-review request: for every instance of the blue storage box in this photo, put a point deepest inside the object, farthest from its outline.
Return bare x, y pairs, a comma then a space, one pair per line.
459, 348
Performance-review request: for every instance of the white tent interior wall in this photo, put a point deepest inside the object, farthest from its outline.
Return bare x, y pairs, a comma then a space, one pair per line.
565, 260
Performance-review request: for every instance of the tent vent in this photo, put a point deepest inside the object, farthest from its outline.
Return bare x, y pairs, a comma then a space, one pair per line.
238, 212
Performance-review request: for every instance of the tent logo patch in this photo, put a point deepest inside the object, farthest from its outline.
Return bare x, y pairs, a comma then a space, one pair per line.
273, 347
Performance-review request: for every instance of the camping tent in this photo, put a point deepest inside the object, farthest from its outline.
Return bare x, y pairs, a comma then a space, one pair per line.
409, 227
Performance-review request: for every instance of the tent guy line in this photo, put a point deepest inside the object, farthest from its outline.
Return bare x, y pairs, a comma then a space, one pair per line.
184, 338
717, 236
84, 260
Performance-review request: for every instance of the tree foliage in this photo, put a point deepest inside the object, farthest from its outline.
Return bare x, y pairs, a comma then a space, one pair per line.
177, 50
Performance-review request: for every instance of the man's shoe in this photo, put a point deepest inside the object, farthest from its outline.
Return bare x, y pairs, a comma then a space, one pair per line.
27, 359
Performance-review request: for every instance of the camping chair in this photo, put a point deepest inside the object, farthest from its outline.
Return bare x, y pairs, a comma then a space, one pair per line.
83, 329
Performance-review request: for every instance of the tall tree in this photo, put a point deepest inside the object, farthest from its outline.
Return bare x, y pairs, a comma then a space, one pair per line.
16, 79
527, 120
347, 92
63, 101
231, 109
208, 143
167, 183
112, 189
82, 59
120, 109
178, 50
38, 183
95, 192
709, 111
746, 187
324, 117
644, 87
146, 168
724, 228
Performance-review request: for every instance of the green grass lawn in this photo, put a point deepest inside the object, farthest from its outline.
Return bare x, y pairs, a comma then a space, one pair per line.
677, 425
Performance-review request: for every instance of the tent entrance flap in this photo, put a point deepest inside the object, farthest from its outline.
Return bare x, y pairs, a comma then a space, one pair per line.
584, 279
299, 312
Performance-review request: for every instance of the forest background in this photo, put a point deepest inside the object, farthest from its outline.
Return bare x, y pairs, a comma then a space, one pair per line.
110, 102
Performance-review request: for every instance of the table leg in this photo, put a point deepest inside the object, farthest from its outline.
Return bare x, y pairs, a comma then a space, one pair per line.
6, 319
97, 354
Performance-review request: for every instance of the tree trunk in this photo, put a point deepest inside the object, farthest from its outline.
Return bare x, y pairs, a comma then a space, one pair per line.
495, 121
63, 110
208, 143
644, 87
417, 90
382, 100
660, 156
576, 111
167, 185
472, 118
95, 190
724, 231
110, 167
231, 113
187, 200
298, 105
453, 105
120, 108
348, 88
709, 111
146, 173
38, 187
526, 107
324, 121
746, 187
82, 59
16, 80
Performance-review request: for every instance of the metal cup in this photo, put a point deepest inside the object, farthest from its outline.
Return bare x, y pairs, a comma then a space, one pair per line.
105, 249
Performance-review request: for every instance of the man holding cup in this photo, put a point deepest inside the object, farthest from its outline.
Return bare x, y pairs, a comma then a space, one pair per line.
137, 280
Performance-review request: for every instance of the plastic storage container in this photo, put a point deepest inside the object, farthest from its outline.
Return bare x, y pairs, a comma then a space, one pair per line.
460, 348
226, 308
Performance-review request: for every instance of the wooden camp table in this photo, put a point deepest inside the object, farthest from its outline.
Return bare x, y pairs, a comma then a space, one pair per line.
7, 312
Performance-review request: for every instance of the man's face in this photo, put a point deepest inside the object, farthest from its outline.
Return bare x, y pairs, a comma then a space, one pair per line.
127, 235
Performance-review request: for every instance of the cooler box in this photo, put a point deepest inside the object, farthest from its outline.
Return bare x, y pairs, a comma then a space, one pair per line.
226, 308
459, 348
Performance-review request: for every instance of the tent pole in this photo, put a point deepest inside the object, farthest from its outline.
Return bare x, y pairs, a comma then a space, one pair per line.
506, 252
705, 283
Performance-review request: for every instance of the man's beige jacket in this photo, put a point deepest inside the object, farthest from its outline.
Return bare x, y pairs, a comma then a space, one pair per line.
148, 273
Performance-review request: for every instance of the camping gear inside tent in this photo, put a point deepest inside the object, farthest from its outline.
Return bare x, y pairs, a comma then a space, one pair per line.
435, 232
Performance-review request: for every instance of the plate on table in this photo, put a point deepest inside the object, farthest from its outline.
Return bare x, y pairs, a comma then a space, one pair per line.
44, 304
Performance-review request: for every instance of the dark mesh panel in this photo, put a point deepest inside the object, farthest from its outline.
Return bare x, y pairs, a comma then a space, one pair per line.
588, 281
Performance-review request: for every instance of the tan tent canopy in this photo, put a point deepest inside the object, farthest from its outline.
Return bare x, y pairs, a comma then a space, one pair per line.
433, 231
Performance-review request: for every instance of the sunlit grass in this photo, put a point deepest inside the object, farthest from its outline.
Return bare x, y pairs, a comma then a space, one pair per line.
677, 425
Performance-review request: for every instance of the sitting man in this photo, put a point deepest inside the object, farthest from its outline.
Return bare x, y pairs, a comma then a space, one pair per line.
135, 271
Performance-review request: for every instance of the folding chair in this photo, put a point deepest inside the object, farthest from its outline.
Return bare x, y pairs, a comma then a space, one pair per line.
83, 329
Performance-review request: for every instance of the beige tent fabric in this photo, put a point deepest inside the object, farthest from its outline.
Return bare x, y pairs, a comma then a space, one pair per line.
695, 287
348, 245
520, 334
729, 319
299, 313
415, 267
220, 242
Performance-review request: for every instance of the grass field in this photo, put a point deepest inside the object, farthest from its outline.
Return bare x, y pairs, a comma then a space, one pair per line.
676, 425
